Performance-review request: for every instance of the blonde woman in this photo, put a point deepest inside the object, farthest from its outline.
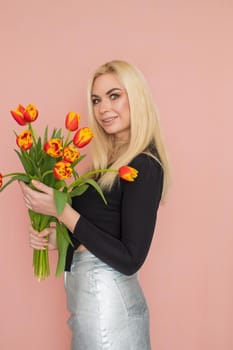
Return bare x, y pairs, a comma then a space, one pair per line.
111, 242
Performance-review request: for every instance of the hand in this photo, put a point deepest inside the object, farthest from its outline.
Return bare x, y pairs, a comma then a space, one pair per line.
38, 240
40, 202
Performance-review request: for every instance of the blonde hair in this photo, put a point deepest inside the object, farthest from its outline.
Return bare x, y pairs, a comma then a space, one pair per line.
145, 131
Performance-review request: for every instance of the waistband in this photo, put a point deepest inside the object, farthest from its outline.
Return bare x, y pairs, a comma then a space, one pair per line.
83, 255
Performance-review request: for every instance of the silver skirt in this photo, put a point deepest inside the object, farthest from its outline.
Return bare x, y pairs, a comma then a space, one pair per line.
108, 309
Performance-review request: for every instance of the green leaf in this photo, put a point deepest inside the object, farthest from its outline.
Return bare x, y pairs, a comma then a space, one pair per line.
63, 241
60, 199
78, 191
46, 135
59, 184
19, 177
94, 184
26, 164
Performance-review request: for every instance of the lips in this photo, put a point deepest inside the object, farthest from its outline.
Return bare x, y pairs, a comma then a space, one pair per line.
108, 120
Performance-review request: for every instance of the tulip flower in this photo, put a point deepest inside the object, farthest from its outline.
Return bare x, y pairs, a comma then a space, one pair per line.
127, 173
82, 137
30, 113
0, 180
71, 154
62, 170
53, 148
72, 121
18, 115
24, 140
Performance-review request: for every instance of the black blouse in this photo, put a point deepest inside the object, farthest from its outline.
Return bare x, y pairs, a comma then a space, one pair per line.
120, 233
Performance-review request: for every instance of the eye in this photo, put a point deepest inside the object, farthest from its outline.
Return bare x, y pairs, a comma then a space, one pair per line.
95, 101
114, 96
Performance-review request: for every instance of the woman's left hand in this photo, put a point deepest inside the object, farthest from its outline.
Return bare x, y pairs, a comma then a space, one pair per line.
41, 201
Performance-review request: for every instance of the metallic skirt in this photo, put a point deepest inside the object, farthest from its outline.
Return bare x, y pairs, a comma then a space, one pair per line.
108, 309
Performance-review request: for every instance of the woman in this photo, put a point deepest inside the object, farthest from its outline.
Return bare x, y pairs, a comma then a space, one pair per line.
111, 242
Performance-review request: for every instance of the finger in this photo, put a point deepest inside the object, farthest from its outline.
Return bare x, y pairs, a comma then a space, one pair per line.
22, 186
42, 187
37, 242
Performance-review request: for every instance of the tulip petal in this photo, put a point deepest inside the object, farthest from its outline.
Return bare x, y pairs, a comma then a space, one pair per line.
18, 117
31, 113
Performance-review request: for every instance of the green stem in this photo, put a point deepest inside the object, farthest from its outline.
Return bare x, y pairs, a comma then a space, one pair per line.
32, 132
46, 173
11, 174
67, 138
90, 173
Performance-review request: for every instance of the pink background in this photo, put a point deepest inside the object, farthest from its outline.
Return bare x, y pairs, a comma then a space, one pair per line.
184, 48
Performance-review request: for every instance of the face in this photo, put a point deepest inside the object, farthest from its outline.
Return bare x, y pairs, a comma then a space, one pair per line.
111, 106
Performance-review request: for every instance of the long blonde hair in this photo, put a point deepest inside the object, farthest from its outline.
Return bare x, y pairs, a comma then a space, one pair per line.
145, 131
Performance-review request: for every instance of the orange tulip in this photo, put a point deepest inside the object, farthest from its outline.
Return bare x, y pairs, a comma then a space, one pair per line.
53, 148
71, 154
72, 121
127, 173
24, 140
30, 113
18, 115
0, 180
82, 137
62, 170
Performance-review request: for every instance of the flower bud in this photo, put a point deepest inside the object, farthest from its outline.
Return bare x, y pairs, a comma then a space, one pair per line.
0, 180
82, 137
72, 121
127, 173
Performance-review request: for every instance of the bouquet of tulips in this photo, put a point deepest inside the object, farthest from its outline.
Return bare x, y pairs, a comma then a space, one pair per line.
52, 160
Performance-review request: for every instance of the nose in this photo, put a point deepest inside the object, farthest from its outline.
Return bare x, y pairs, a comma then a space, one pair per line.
104, 105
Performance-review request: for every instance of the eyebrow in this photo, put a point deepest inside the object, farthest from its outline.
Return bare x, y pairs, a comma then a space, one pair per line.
108, 92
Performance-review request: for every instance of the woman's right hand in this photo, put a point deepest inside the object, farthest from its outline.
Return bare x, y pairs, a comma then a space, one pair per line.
38, 240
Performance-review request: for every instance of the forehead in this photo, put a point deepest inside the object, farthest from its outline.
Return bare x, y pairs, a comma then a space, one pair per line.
106, 82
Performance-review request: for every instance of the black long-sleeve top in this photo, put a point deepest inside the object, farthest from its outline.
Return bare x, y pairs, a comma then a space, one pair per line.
120, 233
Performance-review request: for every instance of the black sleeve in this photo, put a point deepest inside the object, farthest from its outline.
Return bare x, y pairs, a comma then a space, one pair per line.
140, 201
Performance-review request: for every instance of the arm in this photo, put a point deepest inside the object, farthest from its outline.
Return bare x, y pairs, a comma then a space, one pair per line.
140, 201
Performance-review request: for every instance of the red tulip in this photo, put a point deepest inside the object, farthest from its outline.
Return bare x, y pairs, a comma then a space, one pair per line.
18, 115
127, 173
72, 121
82, 137
62, 170
24, 140
30, 113
24, 115
53, 148
71, 154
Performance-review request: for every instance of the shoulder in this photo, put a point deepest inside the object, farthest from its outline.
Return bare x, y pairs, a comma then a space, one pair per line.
150, 172
146, 163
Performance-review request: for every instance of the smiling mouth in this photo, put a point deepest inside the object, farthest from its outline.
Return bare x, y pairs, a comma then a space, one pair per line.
108, 120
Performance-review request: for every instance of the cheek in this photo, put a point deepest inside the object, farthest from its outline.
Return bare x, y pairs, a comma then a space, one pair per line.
124, 107
95, 112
